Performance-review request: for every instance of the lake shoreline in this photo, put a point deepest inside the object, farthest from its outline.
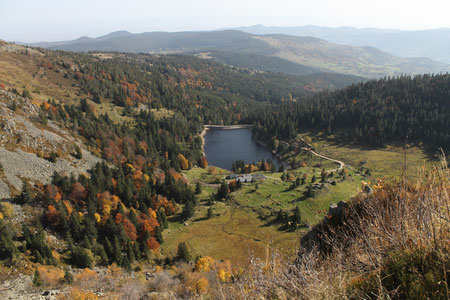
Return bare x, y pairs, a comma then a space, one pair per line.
287, 165
223, 127
242, 126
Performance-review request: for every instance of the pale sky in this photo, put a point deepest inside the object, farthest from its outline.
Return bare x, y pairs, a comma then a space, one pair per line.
54, 20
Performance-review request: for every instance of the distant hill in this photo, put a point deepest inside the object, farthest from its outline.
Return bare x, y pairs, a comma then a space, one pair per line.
259, 62
305, 52
421, 43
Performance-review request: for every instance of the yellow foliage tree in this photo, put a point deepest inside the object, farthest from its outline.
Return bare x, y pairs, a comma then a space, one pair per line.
184, 163
224, 275
97, 217
204, 264
106, 209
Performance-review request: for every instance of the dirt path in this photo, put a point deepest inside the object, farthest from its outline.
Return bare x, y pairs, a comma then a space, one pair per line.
276, 178
341, 163
209, 184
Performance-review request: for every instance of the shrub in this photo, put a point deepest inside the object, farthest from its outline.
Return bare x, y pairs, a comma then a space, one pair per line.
7, 210
52, 157
410, 274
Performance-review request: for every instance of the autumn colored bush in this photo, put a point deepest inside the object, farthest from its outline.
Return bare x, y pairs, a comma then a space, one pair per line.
7, 210
50, 276
212, 170
78, 294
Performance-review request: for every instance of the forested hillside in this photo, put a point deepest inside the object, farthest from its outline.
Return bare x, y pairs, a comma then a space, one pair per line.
139, 117
376, 112
116, 212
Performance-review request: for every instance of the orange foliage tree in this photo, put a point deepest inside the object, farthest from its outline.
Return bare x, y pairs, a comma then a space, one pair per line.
203, 162
52, 215
79, 192
153, 244
130, 230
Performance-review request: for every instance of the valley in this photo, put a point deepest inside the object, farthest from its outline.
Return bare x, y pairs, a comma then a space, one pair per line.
138, 174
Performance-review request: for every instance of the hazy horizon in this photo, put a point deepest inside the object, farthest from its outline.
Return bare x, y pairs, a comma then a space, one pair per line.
51, 20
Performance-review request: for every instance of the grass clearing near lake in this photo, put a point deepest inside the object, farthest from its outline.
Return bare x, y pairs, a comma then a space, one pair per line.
245, 226
249, 217
387, 162
233, 233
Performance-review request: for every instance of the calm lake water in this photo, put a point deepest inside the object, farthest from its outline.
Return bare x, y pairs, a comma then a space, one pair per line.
223, 146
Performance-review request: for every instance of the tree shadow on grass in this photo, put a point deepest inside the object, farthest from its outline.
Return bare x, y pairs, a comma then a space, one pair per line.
176, 218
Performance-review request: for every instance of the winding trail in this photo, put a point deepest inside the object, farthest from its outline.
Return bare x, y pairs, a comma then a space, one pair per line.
341, 163
308, 148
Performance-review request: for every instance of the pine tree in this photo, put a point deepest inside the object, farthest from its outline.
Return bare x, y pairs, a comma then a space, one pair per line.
198, 188
68, 277
52, 157
223, 191
7, 247
296, 218
80, 258
25, 195
209, 214
158, 235
75, 227
117, 250
36, 278
183, 252
78, 153
162, 219
188, 210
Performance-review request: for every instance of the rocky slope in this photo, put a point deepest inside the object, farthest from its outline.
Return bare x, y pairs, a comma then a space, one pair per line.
25, 143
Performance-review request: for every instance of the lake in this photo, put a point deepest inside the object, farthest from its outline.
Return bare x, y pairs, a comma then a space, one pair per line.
223, 146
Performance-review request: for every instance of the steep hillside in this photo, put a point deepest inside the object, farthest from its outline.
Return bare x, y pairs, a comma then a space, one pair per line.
375, 112
312, 52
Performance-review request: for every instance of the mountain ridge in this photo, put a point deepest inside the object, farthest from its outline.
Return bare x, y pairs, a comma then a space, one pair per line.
431, 43
304, 51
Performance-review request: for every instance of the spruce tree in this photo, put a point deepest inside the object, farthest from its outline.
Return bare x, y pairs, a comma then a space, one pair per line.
158, 235
68, 277
198, 188
188, 210
183, 252
36, 278
25, 195
209, 214
296, 218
